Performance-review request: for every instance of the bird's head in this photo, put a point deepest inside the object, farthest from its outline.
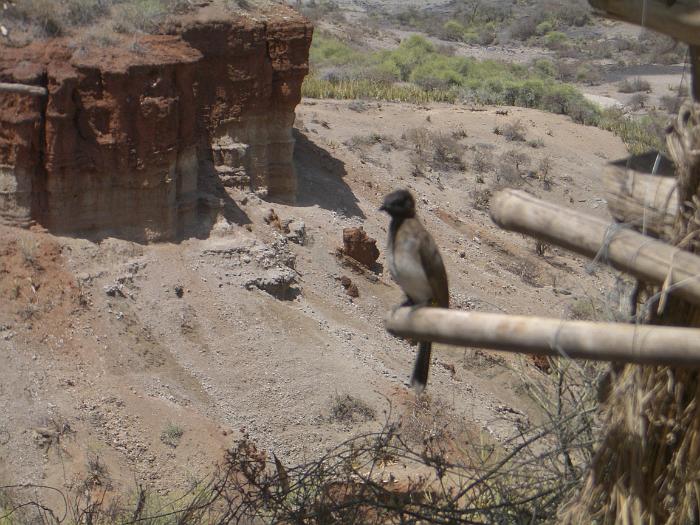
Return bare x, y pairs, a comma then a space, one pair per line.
399, 203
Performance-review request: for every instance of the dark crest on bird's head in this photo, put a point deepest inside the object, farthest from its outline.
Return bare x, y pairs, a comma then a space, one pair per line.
399, 203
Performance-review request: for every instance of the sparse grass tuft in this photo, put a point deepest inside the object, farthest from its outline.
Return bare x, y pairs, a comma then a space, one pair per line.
172, 434
349, 409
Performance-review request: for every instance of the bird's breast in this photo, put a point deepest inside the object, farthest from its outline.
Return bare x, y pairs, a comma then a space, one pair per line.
407, 270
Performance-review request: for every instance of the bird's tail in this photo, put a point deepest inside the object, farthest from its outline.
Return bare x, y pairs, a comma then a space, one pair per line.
420, 370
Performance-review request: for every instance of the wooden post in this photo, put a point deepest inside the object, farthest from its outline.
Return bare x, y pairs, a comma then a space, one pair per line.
695, 71
679, 19
644, 257
625, 343
636, 198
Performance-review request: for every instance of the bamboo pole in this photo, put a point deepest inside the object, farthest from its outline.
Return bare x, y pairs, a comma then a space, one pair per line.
679, 19
641, 344
647, 203
24, 89
645, 258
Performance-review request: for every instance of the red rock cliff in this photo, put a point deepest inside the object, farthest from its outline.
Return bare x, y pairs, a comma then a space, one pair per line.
131, 138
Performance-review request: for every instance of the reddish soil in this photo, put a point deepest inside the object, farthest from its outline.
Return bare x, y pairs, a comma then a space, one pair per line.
129, 139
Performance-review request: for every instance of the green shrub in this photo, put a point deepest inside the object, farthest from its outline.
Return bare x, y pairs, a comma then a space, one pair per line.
543, 28
588, 74
470, 37
640, 135
327, 51
555, 40
411, 53
545, 67
436, 74
452, 30
430, 76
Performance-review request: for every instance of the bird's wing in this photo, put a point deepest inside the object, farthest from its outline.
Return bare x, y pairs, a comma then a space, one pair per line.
434, 268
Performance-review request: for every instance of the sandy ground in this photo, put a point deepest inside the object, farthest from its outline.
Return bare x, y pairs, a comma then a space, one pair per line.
101, 355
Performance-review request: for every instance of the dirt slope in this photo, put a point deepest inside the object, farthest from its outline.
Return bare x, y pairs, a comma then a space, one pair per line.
106, 346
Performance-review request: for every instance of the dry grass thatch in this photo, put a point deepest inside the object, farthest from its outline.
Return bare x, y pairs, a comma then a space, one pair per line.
646, 469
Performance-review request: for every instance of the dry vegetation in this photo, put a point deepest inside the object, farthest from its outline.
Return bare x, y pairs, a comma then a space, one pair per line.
464, 478
418, 71
95, 20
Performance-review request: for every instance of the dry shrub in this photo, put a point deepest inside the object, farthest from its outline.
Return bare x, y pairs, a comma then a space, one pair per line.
513, 131
671, 103
427, 469
447, 152
135, 16
635, 85
437, 150
544, 170
172, 434
56, 18
358, 106
511, 167
536, 143
481, 199
43, 14
483, 159
638, 101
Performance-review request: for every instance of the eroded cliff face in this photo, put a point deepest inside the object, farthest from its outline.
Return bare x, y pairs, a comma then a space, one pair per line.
134, 140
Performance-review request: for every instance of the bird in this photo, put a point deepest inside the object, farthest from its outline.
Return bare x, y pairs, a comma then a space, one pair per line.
416, 265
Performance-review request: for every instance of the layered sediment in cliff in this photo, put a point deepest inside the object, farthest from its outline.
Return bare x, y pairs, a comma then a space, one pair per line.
133, 140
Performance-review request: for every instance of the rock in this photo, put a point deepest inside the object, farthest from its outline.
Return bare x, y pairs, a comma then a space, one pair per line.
296, 231
277, 282
361, 247
114, 290
350, 287
273, 219
541, 362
